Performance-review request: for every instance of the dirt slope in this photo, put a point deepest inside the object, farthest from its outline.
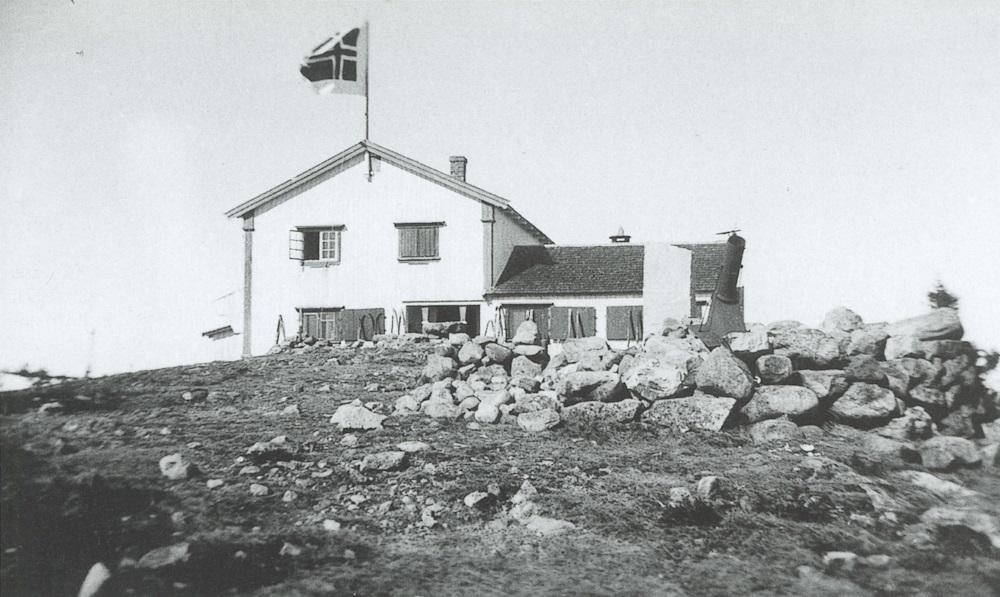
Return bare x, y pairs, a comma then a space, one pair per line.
82, 485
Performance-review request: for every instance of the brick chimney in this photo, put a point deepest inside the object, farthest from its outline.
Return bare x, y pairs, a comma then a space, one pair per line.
621, 237
458, 163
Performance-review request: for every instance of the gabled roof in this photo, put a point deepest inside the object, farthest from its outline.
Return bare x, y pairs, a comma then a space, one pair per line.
597, 269
355, 154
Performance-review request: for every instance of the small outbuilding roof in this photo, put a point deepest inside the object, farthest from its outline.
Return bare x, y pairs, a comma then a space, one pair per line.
597, 269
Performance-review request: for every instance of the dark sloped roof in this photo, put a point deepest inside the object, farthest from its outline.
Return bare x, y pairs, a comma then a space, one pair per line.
597, 269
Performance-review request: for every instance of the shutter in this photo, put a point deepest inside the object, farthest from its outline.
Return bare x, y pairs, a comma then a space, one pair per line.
636, 331
618, 323
296, 245
582, 322
559, 323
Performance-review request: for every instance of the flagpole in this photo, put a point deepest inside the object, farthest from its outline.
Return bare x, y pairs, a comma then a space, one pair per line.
368, 57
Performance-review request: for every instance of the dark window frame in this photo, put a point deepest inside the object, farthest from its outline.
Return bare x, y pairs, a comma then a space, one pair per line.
405, 228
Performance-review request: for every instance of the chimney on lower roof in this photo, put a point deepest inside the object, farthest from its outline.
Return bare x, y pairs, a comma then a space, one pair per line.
621, 237
458, 163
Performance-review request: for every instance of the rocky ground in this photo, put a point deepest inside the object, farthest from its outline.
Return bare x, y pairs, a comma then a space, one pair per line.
232, 478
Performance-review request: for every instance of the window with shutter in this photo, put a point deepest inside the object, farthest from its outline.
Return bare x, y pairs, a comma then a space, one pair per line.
624, 323
315, 245
419, 241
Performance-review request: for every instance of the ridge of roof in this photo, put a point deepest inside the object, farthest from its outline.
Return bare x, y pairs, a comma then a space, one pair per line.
350, 156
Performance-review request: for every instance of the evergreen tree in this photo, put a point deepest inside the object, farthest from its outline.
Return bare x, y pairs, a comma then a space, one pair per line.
940, 297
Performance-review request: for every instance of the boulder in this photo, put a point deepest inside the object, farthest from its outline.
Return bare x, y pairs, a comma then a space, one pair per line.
864, 368
458, 339
752, 342
919, 370
929, 397
841, 319
529, 350
654, 377
441, 408
470, 353
774, 368
722, 374
600, 386
967, 520
947, 349
585, 413
445, 350
771, 402
528, 384
806, 347
527, 333
865, 405
498, 353
701, 411
958, 423
915, 424
439, 367
163, 557
537, 421
945, 452
898, 347
592, 361
175, 467
441, 329
868, 340
487, 412
667, 346
622, 411
355, 417
384, 461
827, 384
774, 430
896, 378
784, 324
533, 402
522, 366
938, 324
575, 348
496, 397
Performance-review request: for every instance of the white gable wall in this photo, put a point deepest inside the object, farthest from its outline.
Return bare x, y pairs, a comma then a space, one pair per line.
369, 274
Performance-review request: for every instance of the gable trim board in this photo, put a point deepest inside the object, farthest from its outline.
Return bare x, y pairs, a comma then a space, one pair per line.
354, 155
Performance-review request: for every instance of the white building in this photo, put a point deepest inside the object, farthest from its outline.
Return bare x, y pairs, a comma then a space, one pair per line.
371, 240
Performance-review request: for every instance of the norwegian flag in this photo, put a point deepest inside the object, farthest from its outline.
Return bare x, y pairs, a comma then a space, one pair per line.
338, 65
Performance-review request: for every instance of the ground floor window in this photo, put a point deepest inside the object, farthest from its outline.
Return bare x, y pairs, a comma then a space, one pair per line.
318, 323
418, 315
514, 315
341, 324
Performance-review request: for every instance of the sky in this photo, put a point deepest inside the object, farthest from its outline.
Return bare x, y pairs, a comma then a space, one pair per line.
856, 144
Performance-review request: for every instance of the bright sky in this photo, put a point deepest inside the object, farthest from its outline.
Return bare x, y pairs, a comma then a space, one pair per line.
856, 144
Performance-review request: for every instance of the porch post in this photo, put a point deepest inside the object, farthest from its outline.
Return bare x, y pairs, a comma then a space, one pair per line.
247, 280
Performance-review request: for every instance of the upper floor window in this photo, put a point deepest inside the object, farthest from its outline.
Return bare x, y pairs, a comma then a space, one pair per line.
317, 244
418, 241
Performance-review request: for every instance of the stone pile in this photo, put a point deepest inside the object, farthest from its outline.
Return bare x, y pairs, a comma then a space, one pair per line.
908, 380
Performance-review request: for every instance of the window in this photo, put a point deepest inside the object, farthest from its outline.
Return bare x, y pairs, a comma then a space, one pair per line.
624, 323
703, 303
419, 241
318, 323
319, 244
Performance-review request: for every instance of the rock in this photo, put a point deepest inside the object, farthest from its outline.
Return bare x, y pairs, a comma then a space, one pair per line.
828, 385
393, 460
525, 493
213, 483
669, 347
406, 405
469, 404
411, 446
483, 339
654, 377
446, 350
915, 424
331, 525
865, 405
290, 411
529, 350
958, 423
969, 520
586, 413
991, 455
458, 339
622, 411
289, 496
774, 430
945, 452
881, 446
600, 386
94, 581
575, 348
701, 411
175, 467
709, 487
722, 374
774, 368
196, 395
527, 333
841, 319
816, 584
751, 342
679, 497
355, 416
258, 490
163, 557
869, 340
806, 347
441, 408
548, 527
528, 384
479, 500
896, 378
349, 440
522, 366
771, 402
928, 396
499, 353
938, 324
991, 430
591, 362
898, 347
290, 549
539, 420
438, 368
864, 368
470, 353
945, 490
840, 561
532, 402
487, 412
